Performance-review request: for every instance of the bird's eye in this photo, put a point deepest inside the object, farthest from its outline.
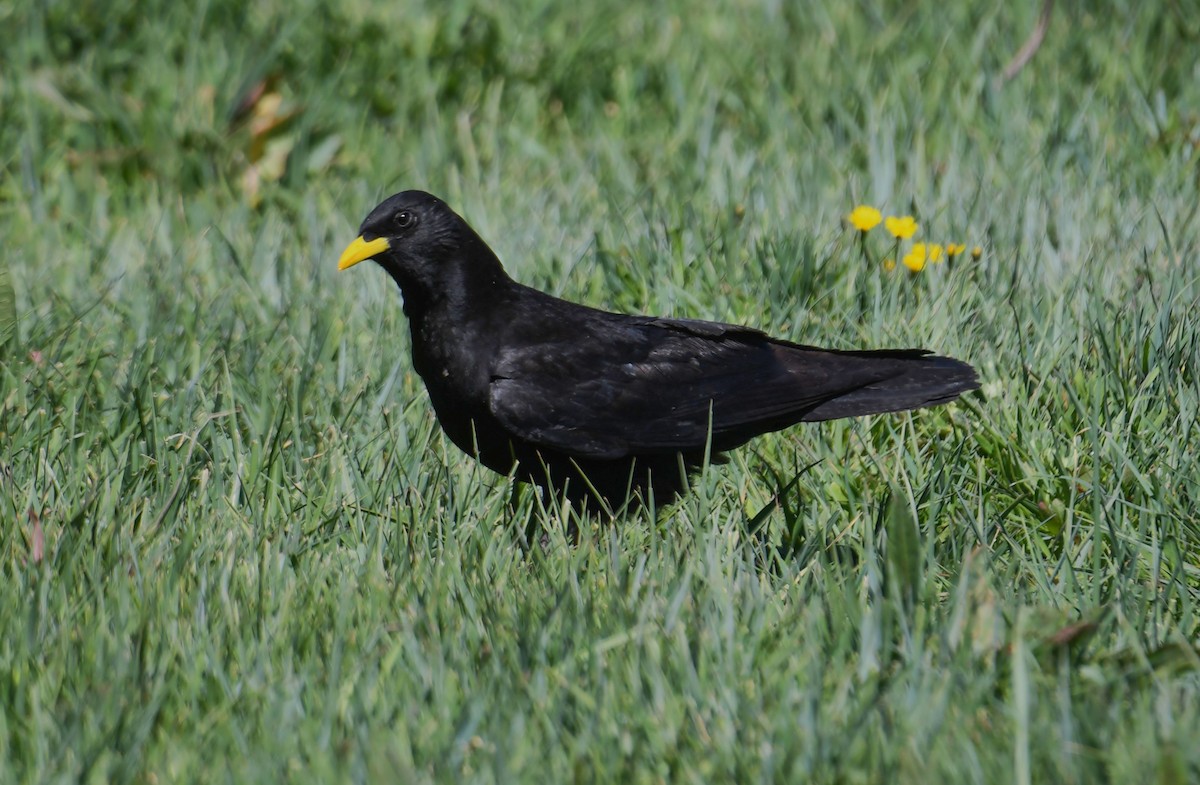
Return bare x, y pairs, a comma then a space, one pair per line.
404, 219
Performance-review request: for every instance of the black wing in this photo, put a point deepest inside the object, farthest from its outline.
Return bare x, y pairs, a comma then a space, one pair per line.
640, 386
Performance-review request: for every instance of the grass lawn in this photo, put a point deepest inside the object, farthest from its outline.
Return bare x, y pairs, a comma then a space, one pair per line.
237, 548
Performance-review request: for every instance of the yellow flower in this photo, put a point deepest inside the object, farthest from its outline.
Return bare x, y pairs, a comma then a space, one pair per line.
976, 252
889, 264
901, 228
864, 218
934, 252
915, 259
953, 250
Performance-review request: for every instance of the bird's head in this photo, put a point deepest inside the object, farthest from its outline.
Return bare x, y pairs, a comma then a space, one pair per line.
426, 247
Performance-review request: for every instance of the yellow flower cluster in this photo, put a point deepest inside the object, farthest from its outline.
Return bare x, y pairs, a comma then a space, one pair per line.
864, 218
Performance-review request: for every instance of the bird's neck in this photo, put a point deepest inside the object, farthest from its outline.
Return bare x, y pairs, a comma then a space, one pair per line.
467, 285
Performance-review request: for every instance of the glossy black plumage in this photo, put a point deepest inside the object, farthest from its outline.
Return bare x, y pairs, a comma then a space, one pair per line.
598, 404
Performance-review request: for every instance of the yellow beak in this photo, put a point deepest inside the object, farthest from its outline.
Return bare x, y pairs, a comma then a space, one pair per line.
360, 250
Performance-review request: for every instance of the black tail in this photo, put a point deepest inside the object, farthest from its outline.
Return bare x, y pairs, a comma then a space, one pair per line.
904, 379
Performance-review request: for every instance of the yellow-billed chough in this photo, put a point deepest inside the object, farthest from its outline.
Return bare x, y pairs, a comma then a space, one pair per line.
593, 404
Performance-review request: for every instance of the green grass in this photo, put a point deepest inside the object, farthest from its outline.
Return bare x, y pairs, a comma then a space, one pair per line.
238, 548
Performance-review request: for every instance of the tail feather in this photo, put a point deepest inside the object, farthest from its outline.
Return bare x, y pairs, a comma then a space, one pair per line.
911, 379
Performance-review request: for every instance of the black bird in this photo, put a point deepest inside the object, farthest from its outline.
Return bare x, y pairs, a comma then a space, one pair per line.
605, 406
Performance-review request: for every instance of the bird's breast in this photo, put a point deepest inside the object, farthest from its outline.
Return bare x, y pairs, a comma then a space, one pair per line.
454, 361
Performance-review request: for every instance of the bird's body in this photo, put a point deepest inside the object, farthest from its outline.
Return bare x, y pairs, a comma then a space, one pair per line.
598, 405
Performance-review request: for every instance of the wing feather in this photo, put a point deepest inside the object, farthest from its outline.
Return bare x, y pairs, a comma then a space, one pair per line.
658, 385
